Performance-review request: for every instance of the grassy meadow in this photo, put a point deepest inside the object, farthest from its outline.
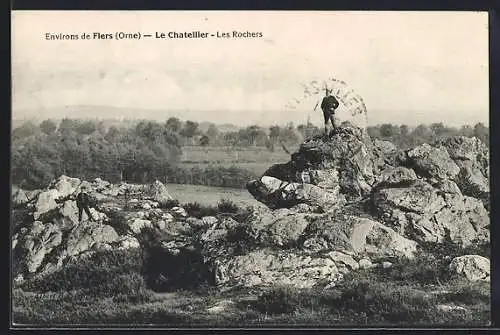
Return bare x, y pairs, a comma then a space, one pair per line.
210, 196
257, 160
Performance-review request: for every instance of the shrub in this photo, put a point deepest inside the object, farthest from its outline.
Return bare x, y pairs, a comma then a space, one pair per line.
118, 220
423, 269
227, 206
386, 302
169, 204
279, 300
98, 274
197, 210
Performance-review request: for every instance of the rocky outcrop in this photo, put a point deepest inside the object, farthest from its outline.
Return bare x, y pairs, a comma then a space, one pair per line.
471, 267
426, 193
472, 157
342, 203
432, 162
158, 192
342, 162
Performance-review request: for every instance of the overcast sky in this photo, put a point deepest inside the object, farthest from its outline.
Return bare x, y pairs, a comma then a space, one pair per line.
409, 67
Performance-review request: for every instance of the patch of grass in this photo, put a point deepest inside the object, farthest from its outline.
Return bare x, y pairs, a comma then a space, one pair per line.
227, 206
169, 204
104, 273
198, 210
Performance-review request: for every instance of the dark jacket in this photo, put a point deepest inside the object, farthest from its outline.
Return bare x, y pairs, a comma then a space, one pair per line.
329, 103
83, 199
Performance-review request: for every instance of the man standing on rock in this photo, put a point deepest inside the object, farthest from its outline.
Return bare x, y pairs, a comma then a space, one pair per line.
329, 104
83, 202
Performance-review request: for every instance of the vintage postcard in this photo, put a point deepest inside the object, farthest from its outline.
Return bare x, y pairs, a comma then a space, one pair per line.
250, 169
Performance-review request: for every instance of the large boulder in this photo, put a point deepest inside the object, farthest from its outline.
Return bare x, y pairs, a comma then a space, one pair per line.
396, 176
426, 213
46, 201
360, 236
418, 197
276, 193
472, 267
274, 267
19, 197
158, 192
472, 157
65, 185
35, 243
340, 162
432, 162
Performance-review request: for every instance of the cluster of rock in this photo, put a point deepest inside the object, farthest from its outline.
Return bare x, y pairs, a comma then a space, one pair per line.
48, 233
425, 193
342, 203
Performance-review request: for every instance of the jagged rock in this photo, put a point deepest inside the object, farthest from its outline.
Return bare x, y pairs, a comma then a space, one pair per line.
137, 225
278, 194
167, 217
472, 267
315, 244
448, 186
19, 197
425, 213
83, 236
395, 176
385, 147
465, 148
178, 212
177, 228
348, 233
159, 193
472, 182
68, 211
65, 186
209, 221
341, 162
365, 263
463, 220
419, 197
433, 162
98, 216
127, 242
340, 257
36, 243
45, 202
100, 185
273, 267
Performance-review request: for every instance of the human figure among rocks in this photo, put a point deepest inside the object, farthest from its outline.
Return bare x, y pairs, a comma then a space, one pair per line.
329, 104
83, 202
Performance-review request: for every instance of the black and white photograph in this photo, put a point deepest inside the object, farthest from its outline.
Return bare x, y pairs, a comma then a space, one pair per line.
250, 169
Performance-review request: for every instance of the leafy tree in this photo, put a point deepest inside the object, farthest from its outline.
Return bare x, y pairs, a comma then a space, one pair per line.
173, 124
482, 133
26, 129
48, 127
204, 141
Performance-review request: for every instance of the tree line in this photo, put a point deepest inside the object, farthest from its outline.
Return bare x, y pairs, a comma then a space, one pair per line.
148, 150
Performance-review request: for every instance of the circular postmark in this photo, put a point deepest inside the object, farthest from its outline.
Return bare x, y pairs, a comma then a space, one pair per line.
351, 108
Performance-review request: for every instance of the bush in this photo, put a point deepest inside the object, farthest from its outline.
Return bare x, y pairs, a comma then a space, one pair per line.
279, 300
227, 206
424, 269
197, 210
385, 302
103, 273
169, 204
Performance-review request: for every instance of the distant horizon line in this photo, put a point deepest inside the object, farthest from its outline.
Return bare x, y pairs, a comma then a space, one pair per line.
164, 117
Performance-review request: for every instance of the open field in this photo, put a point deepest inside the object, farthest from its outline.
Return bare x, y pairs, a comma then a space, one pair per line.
192, 154
257, 160
207, 195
